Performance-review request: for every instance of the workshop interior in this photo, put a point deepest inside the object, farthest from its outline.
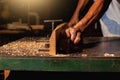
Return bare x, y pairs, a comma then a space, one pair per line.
34, 21
28, 33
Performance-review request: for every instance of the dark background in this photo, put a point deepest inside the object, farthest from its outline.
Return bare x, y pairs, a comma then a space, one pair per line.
50, 9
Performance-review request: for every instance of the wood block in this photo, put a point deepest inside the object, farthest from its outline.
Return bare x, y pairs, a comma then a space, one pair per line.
55, 37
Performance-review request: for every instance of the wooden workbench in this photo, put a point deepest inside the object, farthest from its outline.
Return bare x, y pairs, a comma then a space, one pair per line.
99, 54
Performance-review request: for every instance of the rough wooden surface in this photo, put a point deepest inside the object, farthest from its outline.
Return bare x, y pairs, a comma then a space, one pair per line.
35, 46
54, 38
28, 46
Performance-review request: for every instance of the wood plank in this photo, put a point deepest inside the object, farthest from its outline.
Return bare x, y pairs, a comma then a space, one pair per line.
54, 38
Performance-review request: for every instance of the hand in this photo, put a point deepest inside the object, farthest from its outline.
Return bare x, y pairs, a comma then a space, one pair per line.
74, 34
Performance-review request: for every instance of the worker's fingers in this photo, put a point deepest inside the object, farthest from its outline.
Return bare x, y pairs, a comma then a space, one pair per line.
67, 32
78, 38
73, 33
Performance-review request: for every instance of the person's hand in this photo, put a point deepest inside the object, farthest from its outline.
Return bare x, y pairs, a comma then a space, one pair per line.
74, 34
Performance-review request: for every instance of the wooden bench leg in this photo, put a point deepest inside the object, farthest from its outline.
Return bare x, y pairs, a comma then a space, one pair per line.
6, 74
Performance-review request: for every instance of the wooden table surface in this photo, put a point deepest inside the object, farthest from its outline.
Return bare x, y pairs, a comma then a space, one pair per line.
99, 54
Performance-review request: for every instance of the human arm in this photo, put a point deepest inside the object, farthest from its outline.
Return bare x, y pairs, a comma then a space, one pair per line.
94, 13
75, 18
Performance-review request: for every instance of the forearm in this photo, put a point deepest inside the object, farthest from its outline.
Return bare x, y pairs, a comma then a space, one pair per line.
94, 13
80, 6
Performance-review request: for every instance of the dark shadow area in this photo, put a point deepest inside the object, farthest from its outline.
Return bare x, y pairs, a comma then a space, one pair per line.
95, 41
42, 75
7, 38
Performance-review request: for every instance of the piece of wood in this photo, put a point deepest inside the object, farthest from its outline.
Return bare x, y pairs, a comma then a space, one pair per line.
6, 74
11, 31
54, 38
37, 27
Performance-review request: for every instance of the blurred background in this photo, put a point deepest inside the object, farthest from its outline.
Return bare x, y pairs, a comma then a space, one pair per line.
34, 12
21, 18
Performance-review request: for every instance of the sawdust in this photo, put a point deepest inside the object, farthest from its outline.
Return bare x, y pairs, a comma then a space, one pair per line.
26, 47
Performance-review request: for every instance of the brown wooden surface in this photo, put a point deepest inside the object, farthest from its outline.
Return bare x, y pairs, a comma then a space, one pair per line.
18, 30
54, 38
10, 31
